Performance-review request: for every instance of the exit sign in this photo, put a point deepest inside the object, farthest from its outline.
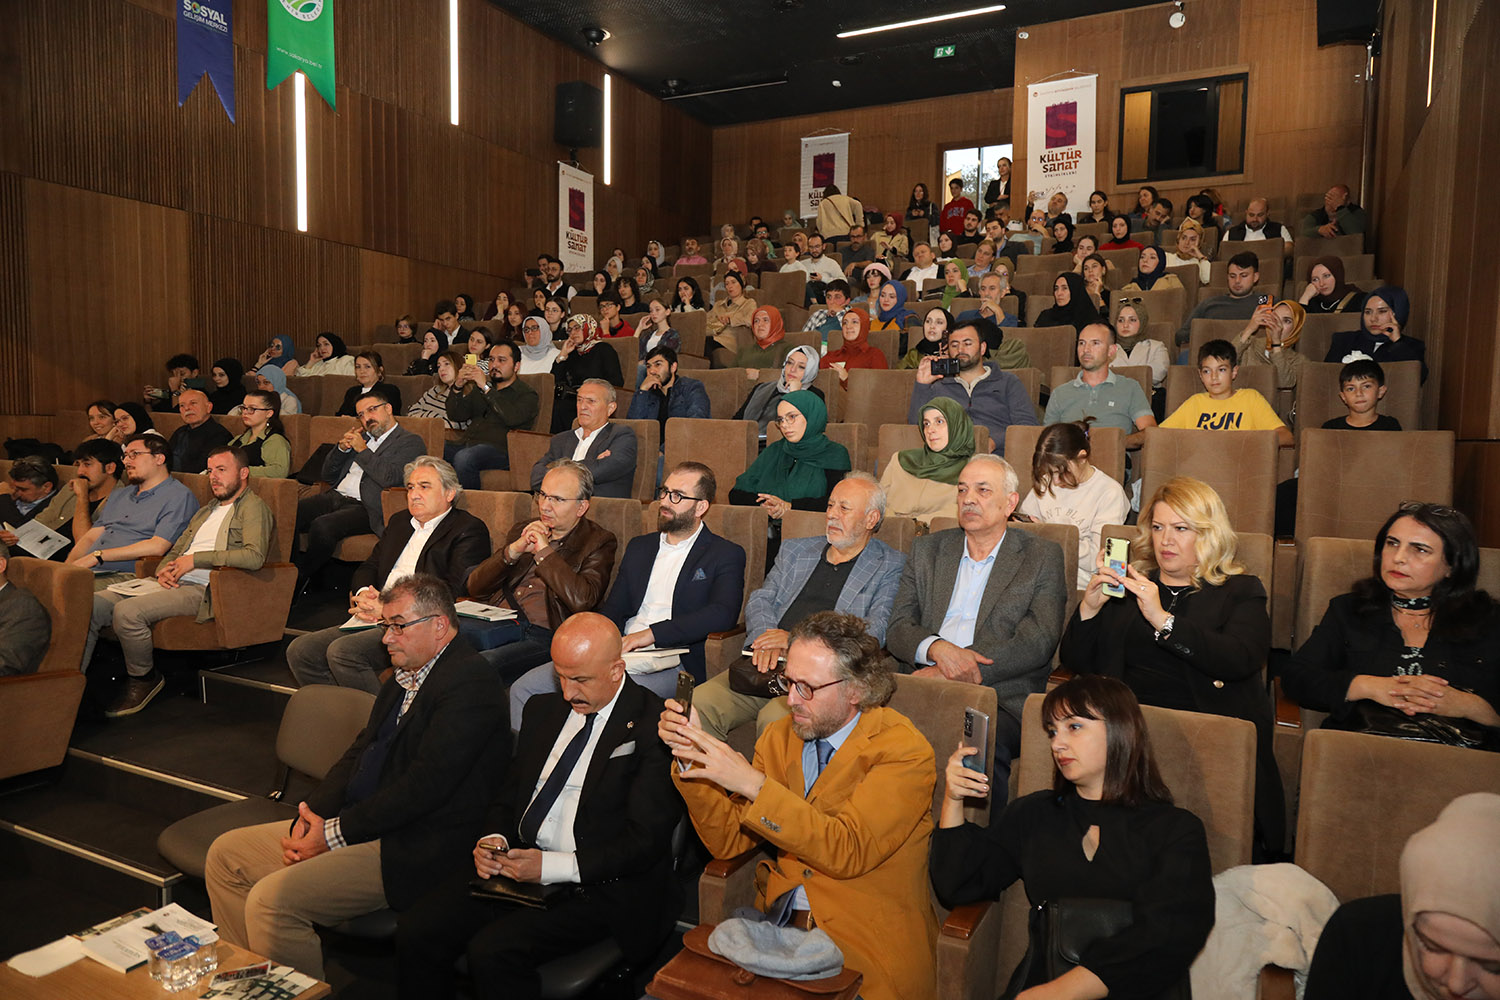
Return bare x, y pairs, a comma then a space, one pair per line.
942, 51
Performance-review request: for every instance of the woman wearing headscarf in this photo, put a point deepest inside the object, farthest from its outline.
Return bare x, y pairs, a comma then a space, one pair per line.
798, 372
645, 276
281, 352
1190, 250
955, 281
767, 348
1381, 335
1062, 235
1270, 338
922, 483
870, 279
463, 304
1136, 347
538, 352
329, 357
270, 378
891, 312
580, 359
892, 238
936, 326
1151, 272
801, 469
734, 309
655, 251
131, 418
758, 257
434, 343
1440, 937
856, 352
1071, 304
228, 380
1327, 291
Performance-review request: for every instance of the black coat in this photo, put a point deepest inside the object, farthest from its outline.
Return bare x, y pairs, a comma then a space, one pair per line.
459, 544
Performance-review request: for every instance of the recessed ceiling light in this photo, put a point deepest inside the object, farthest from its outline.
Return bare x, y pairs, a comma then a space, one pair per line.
837, 83
923, 20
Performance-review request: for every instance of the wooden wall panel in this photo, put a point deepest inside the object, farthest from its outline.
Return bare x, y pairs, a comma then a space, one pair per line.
757, 167
1305, 106
15, 319
1476, 487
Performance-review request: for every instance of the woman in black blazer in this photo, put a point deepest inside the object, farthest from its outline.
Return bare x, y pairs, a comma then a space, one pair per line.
369, 371
1191, 632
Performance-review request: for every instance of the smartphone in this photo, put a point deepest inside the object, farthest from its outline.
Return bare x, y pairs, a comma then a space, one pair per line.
684, 693
471, 359
1116, 556
1263, 299
977, 734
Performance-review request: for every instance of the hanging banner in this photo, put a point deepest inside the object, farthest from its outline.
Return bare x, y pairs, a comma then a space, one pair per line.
299, 36
205, 44
575, 218
1060, 145
825, 161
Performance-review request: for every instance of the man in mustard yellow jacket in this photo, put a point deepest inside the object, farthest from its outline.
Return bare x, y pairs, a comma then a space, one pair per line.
842, 789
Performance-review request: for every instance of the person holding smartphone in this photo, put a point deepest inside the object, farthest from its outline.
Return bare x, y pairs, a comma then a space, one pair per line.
1191, 632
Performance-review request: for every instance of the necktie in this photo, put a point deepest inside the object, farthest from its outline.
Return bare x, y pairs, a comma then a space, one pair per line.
780, 910
531, 822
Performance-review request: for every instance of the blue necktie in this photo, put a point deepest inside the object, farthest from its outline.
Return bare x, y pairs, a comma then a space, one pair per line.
780, 910
824, 750
531, 822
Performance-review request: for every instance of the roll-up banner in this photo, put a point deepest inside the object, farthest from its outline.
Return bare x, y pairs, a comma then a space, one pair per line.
299, 36
575, 218
1060, 145
205, 44
825, 161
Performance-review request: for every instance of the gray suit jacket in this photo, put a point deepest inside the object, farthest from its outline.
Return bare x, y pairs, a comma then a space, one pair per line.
383, 469
869, 592
25, 631
613, 476
1020, 617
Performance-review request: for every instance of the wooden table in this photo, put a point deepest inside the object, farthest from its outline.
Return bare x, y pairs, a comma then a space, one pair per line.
86, 979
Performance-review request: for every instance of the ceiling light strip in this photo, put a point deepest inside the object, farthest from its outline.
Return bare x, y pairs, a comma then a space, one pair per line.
923, 20
723, 90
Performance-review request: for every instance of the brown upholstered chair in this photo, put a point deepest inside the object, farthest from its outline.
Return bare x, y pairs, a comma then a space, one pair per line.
546, 389
1203, 330
1048, 347
878, 397
498, 510
782, 289
628, 348
1318, 331
333, 389
250, 607
39, 708
1032, 379
1183, 381
298, 427
1106, 451
1350, 483
969, 936
728, 447
396, 357
1270, 253
1044, 263
1239, 465
899, 437
623, 518
524, 449
1318, 393
727, 389
1166, 305
1063, 374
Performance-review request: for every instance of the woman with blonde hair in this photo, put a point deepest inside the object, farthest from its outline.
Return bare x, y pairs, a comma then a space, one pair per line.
1067, 489
1191, 631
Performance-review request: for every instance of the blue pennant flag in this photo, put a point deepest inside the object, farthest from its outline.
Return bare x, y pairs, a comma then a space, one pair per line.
205, 44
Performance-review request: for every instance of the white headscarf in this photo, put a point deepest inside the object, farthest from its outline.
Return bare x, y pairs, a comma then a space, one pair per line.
1450, 867
541, 351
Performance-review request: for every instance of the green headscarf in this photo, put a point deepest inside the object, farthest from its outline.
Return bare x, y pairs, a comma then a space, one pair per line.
942, 466
797, 471
949, 292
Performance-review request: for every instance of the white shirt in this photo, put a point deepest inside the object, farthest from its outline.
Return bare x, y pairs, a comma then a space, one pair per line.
656, 605
921, 274
206, 540
349, 485
581, 450
542, 367
421, 534
1260, 234
962, 616
1089, 506
823, 269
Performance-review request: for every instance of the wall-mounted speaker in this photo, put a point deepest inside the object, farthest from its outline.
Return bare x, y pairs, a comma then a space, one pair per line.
1347, 21
578, 119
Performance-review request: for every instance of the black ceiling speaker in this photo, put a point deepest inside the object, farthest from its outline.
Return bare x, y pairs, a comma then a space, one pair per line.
578, 119
1347, 21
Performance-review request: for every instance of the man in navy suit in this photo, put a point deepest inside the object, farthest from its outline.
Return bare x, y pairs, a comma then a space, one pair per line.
605, 449
674, 587
587, 811
847, 570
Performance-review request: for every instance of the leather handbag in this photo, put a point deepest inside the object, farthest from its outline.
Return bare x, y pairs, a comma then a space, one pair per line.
745, 679
696, 973
1371, 717
1060, 931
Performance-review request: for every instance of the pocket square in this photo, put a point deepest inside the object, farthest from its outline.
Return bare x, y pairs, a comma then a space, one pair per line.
623, 750
698, 574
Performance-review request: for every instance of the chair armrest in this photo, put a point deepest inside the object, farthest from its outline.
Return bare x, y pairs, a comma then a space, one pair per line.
725, 867
726, 885
968, 953
146, 566
964, 920
1276, 983
721, 649
251, 606
39, 710
1287, 711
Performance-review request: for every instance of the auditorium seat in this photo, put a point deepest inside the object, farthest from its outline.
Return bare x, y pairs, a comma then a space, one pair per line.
728, 447
1037, 304
1334, 246
1318, 331
891, 438
499, 510
886, 341
39, 708
546, 389
1166, 305
1201, 331
525, 449
1125, 263
1270, 287
1106, 452
622, 518
1239, 465
1044, 263
782, 288
1318, 393
1063, 374
692, 331
878, 397
1270, 252
1349, 483
1048, 347
1183, 382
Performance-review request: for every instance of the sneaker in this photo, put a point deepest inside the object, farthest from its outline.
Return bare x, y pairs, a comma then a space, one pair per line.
137, 694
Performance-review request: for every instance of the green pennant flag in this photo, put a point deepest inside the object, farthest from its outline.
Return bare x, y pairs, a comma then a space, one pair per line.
300, 36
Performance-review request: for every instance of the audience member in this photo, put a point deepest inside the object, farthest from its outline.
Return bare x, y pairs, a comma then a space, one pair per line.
798, 372
1061, 231
1243, 274
920, 216
1151, 272
280, 353
767, 347
587, 810
479, 343
972, 233
433, 404
329, 356
1191, 632
548, 569
33, 493
445, 318
1270, 338
934, 339
1145, 198
1339, 216
1119, 235
369, 376
852, 859
736, 309
856, 351
555, 286
228, 380
394, 816
998, 189
101, 418
1361, 388
1327, 291
663, 394
25, 626
992, 397
132, 419
955, 282
1222, 407
611, 323
836, 302
182, 374
492, 403
1105, 783
270, 379
690, 255
235, 531
606, 449
1099, 210
431, 538
982, 604
1189, 250
951, 220
655, 330
463, 304
922, 483
189, 446
892, 241
538, 352
100, 466
1066, 488
434, 345
992, 289
1414, 649
1381, 335
870, 281
31, 487
838, 213
800, 470
1072, 304
924, 265
857, 252
629, 295
821, 269
1258, 226
1136, 347
1099, 393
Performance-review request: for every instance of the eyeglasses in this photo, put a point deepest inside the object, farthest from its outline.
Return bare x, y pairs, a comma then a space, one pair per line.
674, 496
136, 454
787, 420
778, 684
400, 627
540, 496
1417, 507
257, 409
370, 409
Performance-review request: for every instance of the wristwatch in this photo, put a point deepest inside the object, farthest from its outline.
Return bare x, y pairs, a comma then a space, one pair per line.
98, 555
1166, 628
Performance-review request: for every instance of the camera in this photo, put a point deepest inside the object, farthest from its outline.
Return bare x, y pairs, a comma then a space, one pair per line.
945, 366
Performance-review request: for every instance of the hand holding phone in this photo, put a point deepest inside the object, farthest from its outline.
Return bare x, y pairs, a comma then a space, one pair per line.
1116, 556
977, 734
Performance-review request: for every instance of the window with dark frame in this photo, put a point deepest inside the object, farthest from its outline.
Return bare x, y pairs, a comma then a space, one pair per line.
1182, 129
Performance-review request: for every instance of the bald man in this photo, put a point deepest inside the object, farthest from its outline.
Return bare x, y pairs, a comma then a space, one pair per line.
1258, 226
1339, 216
200, 433
586, 813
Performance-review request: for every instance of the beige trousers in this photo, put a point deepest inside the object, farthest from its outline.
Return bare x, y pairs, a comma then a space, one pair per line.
721, 709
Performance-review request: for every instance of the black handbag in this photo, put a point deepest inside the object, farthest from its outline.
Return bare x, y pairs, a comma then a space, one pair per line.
745, 679
1375, 719
1061, 929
